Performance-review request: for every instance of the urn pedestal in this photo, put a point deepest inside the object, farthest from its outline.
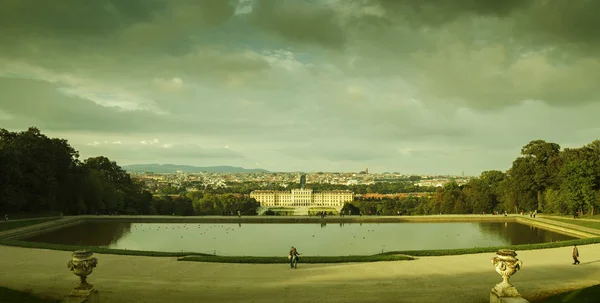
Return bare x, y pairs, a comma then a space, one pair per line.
82, 264
506, 265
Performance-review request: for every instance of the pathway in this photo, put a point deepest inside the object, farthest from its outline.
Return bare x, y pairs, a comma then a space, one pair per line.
466, 278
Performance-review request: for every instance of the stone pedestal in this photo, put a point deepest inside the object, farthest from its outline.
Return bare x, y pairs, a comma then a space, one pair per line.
92, 298
495, 299
506, 264
82, 265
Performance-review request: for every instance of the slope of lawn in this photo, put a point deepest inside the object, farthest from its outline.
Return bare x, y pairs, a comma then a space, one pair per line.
18, 224
8, 295
585, 295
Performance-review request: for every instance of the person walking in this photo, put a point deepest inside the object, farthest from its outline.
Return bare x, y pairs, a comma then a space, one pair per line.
575, 255
6, 217
293, 256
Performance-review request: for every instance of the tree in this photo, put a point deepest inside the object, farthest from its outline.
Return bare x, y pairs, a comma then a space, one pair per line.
579, 175
541, 153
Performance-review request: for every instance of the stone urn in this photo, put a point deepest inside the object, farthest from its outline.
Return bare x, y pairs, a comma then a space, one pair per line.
506, 265
82, 265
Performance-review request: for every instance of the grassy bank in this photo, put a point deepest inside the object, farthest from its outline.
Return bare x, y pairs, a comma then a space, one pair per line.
477, 250
386, 256
18, 224
26, 215
307, 259
588, 224
8, 295
96, 249
585, 295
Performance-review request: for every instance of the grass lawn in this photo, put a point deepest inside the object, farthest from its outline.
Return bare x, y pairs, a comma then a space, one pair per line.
585, 295
307, 259
588, 224
18, 224
28, 215
8, 295
570, 216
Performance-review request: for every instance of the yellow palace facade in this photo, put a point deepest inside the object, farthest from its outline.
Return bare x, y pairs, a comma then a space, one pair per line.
302, 197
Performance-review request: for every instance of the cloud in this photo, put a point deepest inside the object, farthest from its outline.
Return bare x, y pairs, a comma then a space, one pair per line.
300, 22
442, 86
150, 152
169, 85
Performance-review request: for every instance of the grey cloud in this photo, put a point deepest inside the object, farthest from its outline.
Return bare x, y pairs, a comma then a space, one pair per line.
565, 24
75, 18
105, 27
299, 22
32, 102
440, 12
160, 150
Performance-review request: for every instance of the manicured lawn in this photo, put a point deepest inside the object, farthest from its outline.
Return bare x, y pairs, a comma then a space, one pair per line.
28, 215
307, 259
594, 217
588, 224
585, 295
8, 295
477, 250
18, 224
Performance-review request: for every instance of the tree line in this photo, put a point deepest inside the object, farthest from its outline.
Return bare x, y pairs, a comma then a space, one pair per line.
543, 178
41, 174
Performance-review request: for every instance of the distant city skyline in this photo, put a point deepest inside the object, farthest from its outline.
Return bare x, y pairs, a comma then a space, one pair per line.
338, 85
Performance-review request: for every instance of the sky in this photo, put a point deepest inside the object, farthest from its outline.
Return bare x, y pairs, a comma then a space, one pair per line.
445, 87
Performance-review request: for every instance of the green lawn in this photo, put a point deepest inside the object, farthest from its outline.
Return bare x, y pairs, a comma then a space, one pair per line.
307, 259
585, 295
570, 216
28, 215
18, 224
8, 295
588, 224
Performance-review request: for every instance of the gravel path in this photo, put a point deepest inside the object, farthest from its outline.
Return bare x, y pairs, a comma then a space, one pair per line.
467, 278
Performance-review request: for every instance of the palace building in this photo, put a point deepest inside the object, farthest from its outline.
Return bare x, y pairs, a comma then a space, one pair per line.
302, 197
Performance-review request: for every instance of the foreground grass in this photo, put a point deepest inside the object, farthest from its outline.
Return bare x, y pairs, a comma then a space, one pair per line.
585, 295
588, 224
18, 224
8, 295
307, 259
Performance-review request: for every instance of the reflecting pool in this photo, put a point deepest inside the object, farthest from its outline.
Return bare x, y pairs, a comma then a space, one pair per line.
275, 239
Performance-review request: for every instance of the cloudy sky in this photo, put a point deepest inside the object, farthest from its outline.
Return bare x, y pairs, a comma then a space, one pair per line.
307, 85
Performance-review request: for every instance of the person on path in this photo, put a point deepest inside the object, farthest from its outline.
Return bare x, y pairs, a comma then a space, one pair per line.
6, 217
575, 255
293, 254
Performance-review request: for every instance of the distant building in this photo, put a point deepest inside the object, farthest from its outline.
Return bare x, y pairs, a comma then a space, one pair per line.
302, 197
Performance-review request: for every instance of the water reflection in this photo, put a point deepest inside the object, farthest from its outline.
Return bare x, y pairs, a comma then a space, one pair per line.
521, 234
102, 234
313, 239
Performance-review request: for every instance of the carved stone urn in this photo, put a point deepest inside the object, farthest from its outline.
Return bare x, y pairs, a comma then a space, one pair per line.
82, 265
506, 265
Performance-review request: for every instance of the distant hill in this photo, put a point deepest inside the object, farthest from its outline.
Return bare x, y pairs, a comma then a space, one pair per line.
172, 168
